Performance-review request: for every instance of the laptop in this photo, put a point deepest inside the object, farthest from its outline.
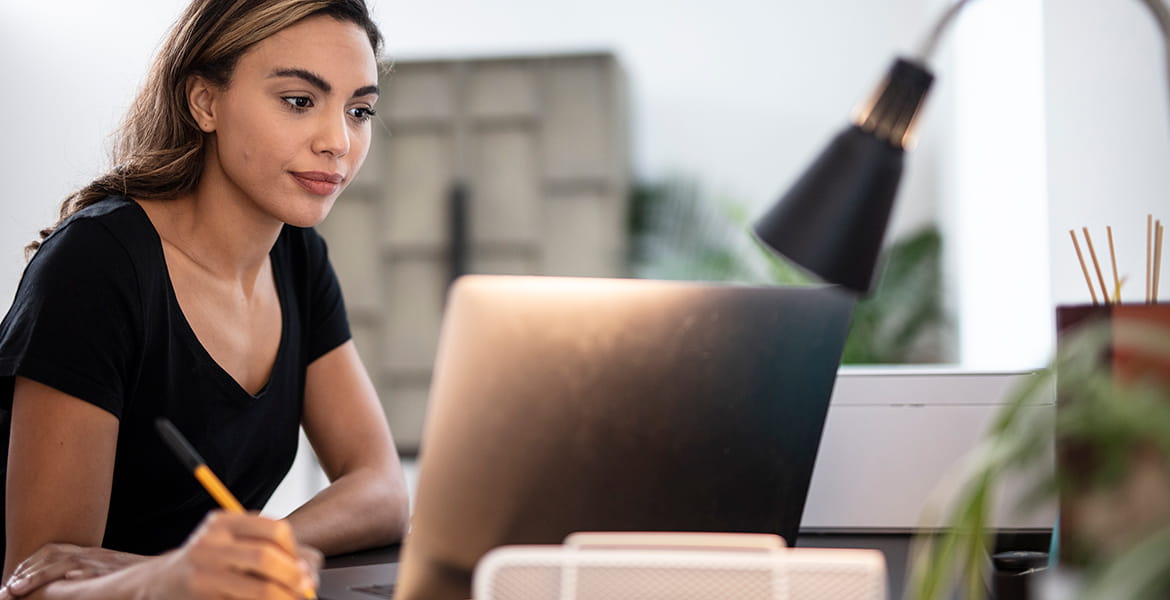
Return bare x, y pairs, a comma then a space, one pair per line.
359, 582
578, 404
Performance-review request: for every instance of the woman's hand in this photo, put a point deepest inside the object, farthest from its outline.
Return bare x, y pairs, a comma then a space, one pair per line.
64, 561
230, 555
311, 559
237, 556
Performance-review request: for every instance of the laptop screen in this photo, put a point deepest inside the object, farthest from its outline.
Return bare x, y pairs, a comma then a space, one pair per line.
574, 404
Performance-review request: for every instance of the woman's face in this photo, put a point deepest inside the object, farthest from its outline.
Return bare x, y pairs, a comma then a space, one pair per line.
292, 127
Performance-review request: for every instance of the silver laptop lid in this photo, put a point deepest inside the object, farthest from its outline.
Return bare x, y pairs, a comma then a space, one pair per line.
573, 404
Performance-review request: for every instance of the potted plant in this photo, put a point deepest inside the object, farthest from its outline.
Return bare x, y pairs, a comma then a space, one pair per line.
1111, 431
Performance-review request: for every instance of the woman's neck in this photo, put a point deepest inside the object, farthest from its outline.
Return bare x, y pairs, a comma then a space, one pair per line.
222, 233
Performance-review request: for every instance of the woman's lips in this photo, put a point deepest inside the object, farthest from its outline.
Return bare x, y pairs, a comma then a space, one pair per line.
319, 183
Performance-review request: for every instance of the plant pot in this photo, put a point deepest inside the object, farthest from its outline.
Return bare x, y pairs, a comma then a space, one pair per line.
1114, 477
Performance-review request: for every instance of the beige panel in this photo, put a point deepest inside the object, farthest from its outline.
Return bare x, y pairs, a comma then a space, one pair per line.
416, 189
420, 91
505, 262
582, 235
351, 231
541, 151
405, 404
368, 339
505, 188
503, 89
372, 175
416, 287
578, 137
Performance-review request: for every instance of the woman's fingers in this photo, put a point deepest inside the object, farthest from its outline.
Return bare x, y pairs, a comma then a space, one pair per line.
239, 586
263, 550
230, 555
250, 525
52, 562
312, 556
264, 561
311, 562
48, 564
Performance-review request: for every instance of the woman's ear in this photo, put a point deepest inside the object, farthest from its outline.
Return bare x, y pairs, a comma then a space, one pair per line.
201, 95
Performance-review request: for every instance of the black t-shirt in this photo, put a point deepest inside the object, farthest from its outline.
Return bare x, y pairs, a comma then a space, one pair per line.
95, 316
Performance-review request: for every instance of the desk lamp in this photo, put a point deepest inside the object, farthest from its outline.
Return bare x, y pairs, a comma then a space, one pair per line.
833, 219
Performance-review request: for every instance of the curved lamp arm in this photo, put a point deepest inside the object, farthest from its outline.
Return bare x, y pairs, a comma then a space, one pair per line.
926, 50
1162, 17
832, 221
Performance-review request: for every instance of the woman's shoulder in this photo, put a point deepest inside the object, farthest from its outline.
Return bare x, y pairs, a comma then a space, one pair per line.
119, 215
111, 232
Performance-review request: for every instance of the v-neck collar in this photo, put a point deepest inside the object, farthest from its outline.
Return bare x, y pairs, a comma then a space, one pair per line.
224, 378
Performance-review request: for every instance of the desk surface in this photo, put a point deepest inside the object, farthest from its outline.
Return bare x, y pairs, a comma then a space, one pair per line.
373, 556
895, 547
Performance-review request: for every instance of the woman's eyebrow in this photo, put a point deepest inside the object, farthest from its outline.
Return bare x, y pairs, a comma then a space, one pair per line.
312, 78
367, 90
319, 82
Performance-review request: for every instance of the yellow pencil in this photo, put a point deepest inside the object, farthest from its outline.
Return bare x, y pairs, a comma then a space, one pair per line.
191, 459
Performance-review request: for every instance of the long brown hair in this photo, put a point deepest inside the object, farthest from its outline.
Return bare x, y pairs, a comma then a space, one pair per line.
159, 150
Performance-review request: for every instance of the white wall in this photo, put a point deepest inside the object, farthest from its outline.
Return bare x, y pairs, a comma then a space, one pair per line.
69, 71
993, 200
1108, 136
1054, 116
741, 92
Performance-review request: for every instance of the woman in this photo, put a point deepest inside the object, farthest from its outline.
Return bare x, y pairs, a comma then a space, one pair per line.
187, 283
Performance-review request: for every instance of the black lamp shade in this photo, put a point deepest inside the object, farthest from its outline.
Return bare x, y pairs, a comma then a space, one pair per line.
833, 219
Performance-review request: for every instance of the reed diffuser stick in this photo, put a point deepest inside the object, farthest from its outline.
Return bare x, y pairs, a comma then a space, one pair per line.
1157, 260
1149, 256
1084, 269
1113, 261
1096, 265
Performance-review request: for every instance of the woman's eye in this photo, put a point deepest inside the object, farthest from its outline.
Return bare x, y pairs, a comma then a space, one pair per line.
361, 113
298, 102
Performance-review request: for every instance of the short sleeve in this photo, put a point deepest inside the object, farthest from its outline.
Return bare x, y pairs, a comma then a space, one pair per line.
328, 324
75, 318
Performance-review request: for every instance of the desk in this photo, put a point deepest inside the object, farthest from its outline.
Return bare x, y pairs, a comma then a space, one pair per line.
894, 545
352, 575
373, 556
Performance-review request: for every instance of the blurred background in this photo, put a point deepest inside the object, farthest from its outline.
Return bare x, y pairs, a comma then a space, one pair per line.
641, 137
